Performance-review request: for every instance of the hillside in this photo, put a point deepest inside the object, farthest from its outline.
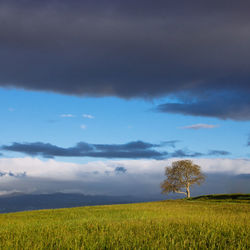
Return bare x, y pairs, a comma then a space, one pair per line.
223, 198
173, 224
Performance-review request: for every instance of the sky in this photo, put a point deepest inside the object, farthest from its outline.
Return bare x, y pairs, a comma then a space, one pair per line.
99, 97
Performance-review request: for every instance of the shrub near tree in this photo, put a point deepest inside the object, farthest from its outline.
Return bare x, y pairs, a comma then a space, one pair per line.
181, 176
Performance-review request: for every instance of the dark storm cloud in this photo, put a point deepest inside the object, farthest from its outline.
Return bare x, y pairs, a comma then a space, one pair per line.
135, 150
132, 150
218, 152
185, 153
130, 49
224, 105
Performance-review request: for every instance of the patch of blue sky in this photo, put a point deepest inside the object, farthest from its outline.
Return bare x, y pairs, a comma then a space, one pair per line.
28, 116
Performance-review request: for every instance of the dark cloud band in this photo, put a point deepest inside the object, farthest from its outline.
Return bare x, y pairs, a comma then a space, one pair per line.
226, 105
129, 49
131, 150
218, 152
135, 150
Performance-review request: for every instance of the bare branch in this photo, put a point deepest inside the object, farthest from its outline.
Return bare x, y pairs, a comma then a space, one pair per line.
180, 192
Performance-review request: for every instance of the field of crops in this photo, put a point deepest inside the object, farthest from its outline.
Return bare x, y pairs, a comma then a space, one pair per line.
157, 225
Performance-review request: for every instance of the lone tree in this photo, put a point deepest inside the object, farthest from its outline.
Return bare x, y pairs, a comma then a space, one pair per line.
181, 175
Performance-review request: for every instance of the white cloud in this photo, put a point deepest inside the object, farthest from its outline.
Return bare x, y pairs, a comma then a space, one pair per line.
67, 115
200, 126
83, 126
68, 170
88, 116
227, 166
142, 177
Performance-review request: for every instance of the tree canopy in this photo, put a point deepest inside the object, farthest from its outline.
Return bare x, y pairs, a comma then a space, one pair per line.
181, 175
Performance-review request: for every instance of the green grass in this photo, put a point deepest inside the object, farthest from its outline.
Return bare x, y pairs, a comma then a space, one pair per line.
176, 224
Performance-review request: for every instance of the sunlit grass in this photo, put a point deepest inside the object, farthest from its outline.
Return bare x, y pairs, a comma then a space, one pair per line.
156, 225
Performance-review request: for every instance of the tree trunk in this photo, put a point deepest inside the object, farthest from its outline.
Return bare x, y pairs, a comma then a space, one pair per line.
188, 191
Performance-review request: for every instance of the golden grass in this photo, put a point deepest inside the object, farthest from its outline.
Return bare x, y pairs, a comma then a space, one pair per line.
156, 225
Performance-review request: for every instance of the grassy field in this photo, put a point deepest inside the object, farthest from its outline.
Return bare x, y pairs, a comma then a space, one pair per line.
179, 224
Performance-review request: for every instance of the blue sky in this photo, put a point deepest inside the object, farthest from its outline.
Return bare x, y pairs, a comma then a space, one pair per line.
58, 119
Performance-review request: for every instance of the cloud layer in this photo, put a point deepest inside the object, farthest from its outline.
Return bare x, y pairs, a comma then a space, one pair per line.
123, 177
191, 49
223, 105
200, 126
130, 150
135, 149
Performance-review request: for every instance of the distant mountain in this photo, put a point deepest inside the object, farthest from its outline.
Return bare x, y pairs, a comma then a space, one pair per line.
23, 202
